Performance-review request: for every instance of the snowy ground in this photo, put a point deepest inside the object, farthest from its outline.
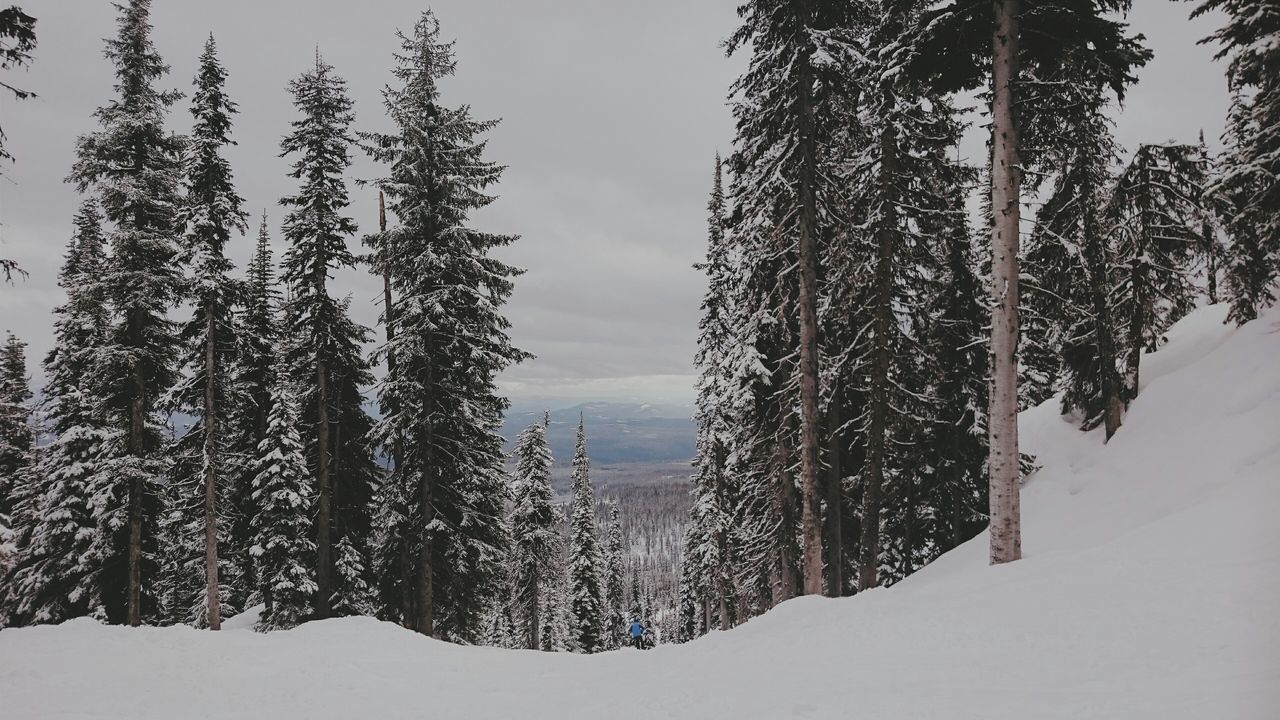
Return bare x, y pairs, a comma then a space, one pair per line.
1150, 589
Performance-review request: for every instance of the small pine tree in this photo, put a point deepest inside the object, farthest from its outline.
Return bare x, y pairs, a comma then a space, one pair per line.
614, 580
586, 599
535, 530
17, 492
283, 548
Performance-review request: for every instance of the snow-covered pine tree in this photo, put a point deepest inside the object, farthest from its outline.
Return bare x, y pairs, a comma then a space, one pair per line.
535, 531
61, 546
254, 369
325, 344
1250, 180
17, 489
785, 113
553, 629
135, 166
211, 214
712, 497
586, 594
1235, 196
282, 528
955, 447
1070, 259
614, 580
1154, 214
449, 484
968, 44
1209, 250
16, 434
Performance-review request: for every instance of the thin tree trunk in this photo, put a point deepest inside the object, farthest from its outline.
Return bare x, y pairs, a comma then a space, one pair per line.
1138, 280
534, 643
212, 599
811, 508
784, 585
878, 425
835, 507
324, 565
426, 620
1006, 176
136, 431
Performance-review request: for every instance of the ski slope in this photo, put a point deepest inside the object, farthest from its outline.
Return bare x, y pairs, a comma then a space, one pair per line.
1150, 589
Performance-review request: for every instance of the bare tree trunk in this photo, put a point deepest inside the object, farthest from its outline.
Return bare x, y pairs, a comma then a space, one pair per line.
324, 564
136, 431
878, 424
1139, 277
1006, 177
784, 586
835, 507
533, 612
426, 620
212, 599
811, 509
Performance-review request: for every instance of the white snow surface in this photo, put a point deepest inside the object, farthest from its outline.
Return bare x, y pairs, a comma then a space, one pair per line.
1150, 588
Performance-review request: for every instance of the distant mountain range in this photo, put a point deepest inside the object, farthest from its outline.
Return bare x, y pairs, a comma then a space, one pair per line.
616, 432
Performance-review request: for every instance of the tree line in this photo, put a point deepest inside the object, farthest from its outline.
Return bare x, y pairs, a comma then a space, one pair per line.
864, 350
273, 495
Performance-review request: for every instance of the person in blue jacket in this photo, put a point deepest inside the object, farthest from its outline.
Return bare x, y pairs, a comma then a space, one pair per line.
637, 633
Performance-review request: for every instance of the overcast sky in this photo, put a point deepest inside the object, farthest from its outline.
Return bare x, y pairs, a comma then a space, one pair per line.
611, 111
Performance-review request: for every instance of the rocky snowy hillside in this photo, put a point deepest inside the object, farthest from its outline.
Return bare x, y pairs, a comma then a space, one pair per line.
1150, 589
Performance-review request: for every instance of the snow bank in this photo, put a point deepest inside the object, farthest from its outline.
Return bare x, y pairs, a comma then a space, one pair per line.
1150, 589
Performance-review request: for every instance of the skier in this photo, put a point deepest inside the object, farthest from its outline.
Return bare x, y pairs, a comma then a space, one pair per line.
637, 634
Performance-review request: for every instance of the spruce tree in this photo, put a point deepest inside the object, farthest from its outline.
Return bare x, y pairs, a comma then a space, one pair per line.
1154, 210
17, 491
135, 166
16, 435
711, 492
586, 597
535, 531
968, 44
449, 485
282, 528
257, 337
1250, 180
325, 344
61, 545
211, 214
614, 579
786, 110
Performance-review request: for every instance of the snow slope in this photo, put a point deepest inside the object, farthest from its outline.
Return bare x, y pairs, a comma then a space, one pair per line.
1150, 589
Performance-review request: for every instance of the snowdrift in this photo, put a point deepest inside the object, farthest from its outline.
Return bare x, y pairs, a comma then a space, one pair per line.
1150, 589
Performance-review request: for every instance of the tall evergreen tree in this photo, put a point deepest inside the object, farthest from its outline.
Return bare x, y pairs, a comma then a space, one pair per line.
614, 578
967, 44
61, 547
786, 111
257, 338
1250, 180
282, 528
711, 492
442, 416
211, 214
1154, 210
586, 596
135, 166
535, 531
325, 342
